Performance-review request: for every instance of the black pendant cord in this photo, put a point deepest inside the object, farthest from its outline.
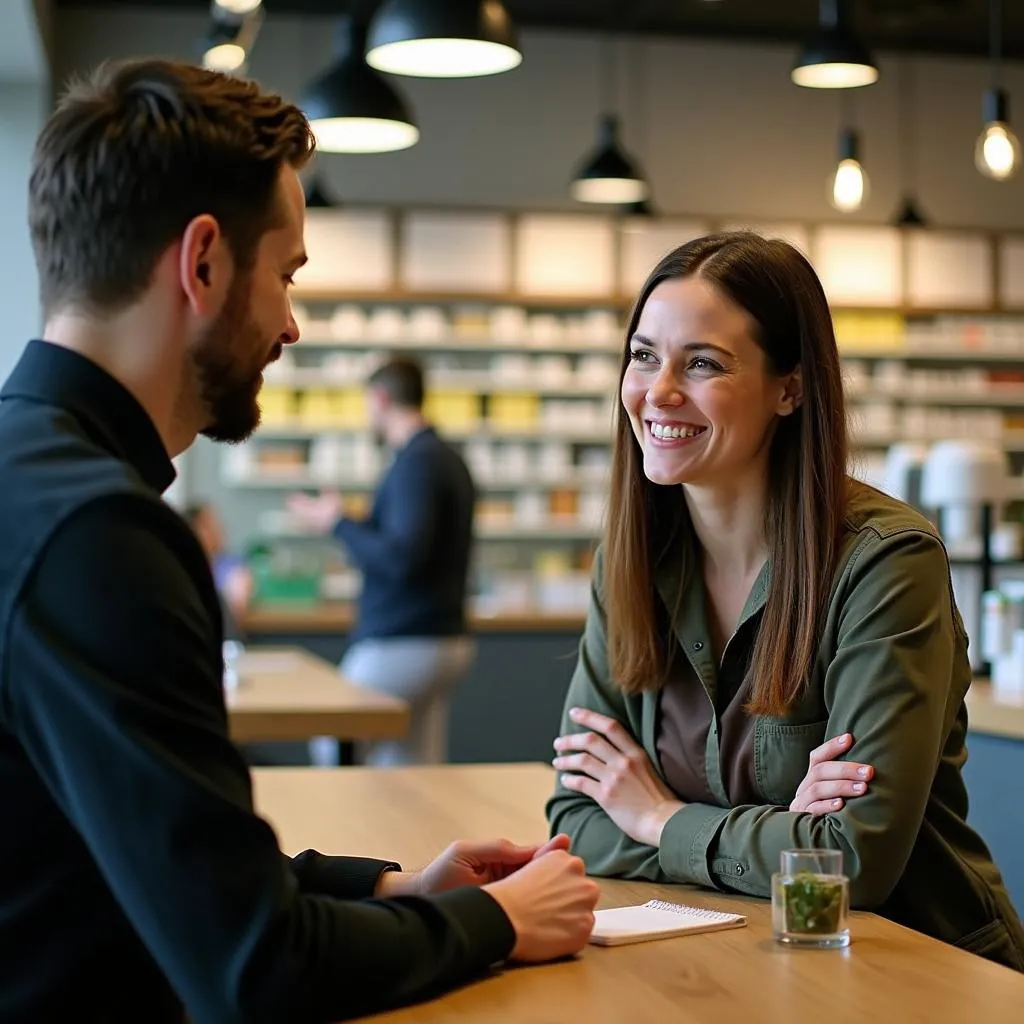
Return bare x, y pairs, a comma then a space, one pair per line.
638, 97
905, 124
995, 42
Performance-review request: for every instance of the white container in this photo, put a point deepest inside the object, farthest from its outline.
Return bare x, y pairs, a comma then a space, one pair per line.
996, 627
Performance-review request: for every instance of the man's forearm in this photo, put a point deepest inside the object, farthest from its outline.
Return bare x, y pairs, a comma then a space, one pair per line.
398, 883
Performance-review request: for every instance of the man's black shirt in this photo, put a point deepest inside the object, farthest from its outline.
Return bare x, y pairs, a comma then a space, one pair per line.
135, 878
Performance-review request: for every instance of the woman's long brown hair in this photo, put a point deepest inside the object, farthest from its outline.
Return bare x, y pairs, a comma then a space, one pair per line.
807, 481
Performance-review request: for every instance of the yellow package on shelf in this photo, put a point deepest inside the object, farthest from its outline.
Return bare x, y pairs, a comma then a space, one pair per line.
453, 409
859, 331
514, 411
277, 406
349, 407
316, 409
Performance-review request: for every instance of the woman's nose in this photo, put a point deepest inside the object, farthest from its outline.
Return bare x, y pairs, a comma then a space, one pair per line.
665, 390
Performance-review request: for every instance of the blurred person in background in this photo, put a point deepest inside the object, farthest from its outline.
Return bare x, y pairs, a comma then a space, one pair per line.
410, 639
231, 576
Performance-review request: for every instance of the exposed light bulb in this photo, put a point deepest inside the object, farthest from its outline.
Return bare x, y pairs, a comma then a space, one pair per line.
363, 135
614, 191
997, 154
444, 58
238, 6
224, 57
849, 186
835, 75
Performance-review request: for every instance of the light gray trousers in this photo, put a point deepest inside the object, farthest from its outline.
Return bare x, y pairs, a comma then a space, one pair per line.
421, 670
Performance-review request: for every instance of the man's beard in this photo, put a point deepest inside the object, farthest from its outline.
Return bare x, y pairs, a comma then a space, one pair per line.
229, 362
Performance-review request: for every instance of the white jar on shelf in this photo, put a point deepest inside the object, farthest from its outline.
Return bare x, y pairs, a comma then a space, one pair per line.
530, 509
237, 462
508, 323
553, 460
545, 329
326, 458
387, 323
348, 323
428, 323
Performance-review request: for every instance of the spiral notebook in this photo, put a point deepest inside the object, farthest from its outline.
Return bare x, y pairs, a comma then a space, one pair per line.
657, 920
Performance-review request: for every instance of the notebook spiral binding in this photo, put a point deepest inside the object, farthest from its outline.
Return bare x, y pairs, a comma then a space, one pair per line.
678, 908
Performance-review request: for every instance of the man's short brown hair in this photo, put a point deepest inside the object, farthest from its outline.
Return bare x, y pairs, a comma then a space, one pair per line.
401, 379
136, 151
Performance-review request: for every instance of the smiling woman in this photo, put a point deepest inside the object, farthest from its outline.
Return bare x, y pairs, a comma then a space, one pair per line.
772, 657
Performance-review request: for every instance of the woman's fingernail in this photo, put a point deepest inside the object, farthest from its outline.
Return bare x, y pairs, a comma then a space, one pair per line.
574, 712
863, 772
845, 738
859, 787
837, 804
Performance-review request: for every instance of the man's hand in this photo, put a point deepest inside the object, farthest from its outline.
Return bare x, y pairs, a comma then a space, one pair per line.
466, 863
318, 513
550, 903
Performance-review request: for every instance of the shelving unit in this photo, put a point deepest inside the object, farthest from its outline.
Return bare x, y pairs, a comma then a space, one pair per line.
518, 319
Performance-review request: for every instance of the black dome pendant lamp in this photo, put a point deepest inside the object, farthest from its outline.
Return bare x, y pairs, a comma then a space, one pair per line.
835, 58
442, 38
316, 195
608, 174
351, 108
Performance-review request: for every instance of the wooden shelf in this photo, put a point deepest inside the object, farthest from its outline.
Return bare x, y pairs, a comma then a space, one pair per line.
482, 431
339, 618
402, 296
1011, 397
571, 479
483, 383
993, 357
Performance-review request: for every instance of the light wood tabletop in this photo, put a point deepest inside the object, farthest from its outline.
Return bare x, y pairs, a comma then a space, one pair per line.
997, 714
339, 617
289, 694
889, 973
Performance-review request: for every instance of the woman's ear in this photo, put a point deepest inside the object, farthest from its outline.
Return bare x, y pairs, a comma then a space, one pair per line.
792, 395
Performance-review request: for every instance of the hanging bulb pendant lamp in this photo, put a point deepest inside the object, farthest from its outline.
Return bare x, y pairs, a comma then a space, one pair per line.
997, 152
835, 58
608, 175
442, 38
848, 184
351, 108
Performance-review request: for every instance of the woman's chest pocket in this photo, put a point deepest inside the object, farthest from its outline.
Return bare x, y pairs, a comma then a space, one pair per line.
781, 755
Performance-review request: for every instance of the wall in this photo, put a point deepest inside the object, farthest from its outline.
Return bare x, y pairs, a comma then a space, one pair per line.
24, 99
726, 131
721, 131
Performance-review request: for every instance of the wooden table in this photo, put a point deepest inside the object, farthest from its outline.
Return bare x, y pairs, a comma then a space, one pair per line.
997, 715
339, 617
888, 974
290, 694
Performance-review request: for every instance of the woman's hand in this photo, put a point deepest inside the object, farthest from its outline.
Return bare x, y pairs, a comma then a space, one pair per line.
829, 782
610, 767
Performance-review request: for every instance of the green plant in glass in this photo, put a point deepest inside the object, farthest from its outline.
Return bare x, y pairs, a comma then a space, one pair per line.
813, 904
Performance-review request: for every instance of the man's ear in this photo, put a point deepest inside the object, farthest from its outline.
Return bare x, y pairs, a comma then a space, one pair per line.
204, 265
792, 395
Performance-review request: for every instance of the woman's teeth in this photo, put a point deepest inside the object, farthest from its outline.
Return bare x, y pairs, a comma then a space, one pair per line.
663, 432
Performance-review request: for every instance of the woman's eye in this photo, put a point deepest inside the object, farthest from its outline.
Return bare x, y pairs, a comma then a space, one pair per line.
641, 356
701, 363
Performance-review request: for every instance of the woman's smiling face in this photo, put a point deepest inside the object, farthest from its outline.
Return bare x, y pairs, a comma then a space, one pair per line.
698, 390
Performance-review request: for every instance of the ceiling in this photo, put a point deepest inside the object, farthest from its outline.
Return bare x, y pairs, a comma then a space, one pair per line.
931, 26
